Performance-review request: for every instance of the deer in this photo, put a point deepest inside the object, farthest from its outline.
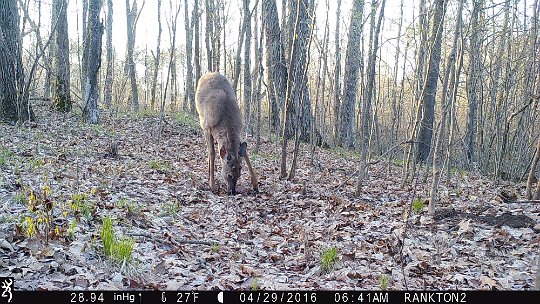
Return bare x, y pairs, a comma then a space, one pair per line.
221, 121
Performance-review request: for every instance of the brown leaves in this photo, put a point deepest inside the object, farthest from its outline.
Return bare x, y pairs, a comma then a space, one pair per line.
273, 240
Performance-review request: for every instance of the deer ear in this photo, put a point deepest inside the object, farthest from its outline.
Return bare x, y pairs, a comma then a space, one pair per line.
222, 152
243, 149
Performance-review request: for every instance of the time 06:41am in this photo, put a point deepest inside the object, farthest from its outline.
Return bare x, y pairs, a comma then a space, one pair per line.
361, 297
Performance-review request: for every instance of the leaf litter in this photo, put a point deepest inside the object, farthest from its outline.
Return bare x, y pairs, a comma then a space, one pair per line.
186, 237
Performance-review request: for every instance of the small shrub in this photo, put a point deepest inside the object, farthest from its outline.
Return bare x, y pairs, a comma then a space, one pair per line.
30, 227
255, 284
329, 259
124, 203
71, 228
5, 156
159, 165
417, 205
80, 203
36, 163
20, 198
171, 208
214, 248
383, 281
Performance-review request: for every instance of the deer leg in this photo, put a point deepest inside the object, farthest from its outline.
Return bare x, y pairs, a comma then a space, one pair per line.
254, 182
211, 158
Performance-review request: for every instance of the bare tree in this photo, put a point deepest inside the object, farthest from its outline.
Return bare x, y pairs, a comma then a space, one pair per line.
352, 67
107, 95
430, 88
337, 75
92, 62
213, 33
247, 69
189, 97
473, 81
14, 106
61, 80
157, 57
447, 102
275, 62
197, 35
132, 16
368, 96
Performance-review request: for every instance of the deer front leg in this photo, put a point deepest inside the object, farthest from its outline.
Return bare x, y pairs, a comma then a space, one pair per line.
211, 158
254, 182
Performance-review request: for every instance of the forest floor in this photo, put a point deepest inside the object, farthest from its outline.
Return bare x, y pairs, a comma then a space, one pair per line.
308, 233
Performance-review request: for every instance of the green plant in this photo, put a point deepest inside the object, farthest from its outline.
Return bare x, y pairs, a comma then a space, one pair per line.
5, 156
329, 259
255, 284
143, 113
36, 163
20, 198
30, 227
40, 213
417, 205
123, 250
159, 165
120, 251
383, 281
398, 162
214, 248
346, 153
80, 203
188, 120
171, 207
107, 236
71, 228
125, 203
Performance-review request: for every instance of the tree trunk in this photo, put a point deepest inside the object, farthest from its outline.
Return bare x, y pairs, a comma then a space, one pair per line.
447, 100
257, 79
157, 57
247, 70
208, 38
92, 62
190, 91
370, 88
61, 81
131, 15
352, 67
473, 81
275, 61
14, 106
337, 76
197, 35
430, 88
107, 95
298, 75
532, 173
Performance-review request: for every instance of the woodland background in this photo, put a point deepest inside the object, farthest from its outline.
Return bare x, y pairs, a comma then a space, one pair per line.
397, 144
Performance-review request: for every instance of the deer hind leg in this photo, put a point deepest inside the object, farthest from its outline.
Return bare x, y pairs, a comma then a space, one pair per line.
254, 182
211, 159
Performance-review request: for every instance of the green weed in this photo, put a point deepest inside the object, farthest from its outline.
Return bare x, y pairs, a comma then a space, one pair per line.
329, 259
383, 281
417, 205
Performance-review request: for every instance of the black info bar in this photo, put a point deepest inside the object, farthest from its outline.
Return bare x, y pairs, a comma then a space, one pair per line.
285, 296
10, 294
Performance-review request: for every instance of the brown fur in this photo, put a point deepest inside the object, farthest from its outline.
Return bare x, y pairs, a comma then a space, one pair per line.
220, 119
